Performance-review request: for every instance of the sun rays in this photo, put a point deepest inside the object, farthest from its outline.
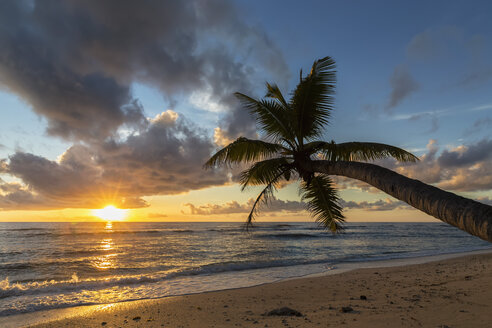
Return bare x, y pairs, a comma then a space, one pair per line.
111, 213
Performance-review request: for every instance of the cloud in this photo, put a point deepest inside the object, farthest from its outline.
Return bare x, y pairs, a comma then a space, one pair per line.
157, 215
15, 196
434, 125
379, 205
422, 46
165, 157
278, 205
74, 62
434, 42
466, 156
430, 116
435, 45
479, 125
233, 207
464, 168
221, 138
402, 86
482, 107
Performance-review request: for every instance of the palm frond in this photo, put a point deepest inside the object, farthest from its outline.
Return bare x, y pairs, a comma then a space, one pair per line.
264, 198
270, 116
314, 147
274, 92
323, 202
364, 151
244, 150
264, 172
312, 100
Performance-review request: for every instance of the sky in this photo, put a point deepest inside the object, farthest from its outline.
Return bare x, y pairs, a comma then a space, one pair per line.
122, 102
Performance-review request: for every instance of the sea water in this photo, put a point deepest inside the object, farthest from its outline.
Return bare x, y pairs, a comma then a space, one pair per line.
55, 265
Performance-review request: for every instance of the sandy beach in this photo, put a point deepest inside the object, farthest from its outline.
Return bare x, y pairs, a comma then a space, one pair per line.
450, 293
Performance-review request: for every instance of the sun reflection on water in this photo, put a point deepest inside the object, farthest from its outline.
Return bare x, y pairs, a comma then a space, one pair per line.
107, 244
109, 226
106, 261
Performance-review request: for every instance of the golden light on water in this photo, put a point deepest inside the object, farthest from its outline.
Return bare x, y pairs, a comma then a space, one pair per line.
111, 213
106, 261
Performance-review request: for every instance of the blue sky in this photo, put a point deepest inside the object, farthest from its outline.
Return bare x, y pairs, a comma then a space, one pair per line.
417, 75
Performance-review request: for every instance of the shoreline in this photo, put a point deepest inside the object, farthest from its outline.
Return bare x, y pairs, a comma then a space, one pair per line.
49, 317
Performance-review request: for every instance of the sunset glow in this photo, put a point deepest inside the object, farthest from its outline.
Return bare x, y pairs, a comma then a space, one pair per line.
111, 213
82, 129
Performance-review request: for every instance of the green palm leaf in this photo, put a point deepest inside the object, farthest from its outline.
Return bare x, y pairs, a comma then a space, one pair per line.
289, 124
264, 172
244, 150
323, 202
274, 92
263, 197
313, 100
363, 151
270, 116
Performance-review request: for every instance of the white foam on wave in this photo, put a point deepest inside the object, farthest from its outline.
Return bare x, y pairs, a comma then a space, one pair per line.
11, 289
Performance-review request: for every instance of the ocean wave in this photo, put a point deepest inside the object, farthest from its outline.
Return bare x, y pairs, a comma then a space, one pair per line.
227, 230
24, 229
8, 289
282, 225
15, 266
293, 235
145, 260
180, 230
98, 233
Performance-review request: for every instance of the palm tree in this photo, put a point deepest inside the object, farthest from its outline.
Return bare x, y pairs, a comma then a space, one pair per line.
291, 149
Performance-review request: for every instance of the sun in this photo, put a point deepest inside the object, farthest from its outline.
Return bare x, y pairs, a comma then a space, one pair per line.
111, 213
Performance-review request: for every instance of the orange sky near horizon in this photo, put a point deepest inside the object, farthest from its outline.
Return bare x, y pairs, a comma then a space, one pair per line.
173, 209
122, 114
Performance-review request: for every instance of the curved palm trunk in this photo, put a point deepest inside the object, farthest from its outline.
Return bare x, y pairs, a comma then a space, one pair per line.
463, 213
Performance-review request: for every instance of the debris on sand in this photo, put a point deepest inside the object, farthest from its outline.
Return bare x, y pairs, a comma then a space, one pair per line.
285, 311
346, 309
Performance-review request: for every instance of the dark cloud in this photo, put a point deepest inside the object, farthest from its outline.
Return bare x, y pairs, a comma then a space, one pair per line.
466, 156
278, 205
75, 61
164, 158
274, 205
379, 205
16, 196
402, 85
34, 65
463, 168
466, 168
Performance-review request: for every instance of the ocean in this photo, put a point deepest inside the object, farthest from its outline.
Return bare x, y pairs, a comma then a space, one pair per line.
56, 265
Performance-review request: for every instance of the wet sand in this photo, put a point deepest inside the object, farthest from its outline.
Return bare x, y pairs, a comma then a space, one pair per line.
448, 293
